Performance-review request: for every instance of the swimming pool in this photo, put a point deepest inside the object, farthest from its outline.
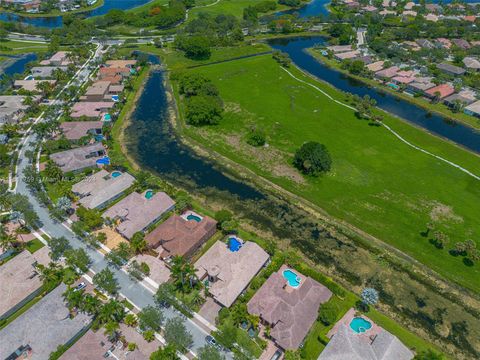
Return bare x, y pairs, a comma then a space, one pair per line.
103, 161
116, 174
234, 244
292, 278
360, 325
149, 194
194, 217
115, 98
107, 117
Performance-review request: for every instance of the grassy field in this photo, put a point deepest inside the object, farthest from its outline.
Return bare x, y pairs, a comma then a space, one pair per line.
19, 47
377, 183
226, 7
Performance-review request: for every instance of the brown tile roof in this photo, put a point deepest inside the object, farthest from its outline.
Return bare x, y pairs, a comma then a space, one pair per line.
136, 212
74, 130
18, 280
289, 311
92, 345
79, 158
230, 272
178, 236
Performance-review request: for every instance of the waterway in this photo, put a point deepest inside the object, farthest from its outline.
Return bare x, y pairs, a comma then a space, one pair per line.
18, 64
156, 146
56, 21
454, 131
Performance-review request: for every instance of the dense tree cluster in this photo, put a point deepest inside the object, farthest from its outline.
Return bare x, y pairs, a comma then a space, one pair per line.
203, 103
156, 15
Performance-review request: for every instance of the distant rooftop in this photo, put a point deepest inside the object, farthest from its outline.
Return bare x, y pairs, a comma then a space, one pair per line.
75, 130
79, 158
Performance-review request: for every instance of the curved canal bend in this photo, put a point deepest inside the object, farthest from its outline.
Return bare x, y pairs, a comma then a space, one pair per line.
454, 131
57, 21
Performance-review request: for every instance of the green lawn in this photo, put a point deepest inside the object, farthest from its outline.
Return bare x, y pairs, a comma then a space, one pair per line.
377, 183
19, 47
34, 245
226, 7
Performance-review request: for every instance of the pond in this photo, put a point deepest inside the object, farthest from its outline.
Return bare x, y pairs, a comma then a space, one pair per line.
56, 21
454, 131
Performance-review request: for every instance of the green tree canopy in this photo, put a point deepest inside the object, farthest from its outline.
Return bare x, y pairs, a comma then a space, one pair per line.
312, 158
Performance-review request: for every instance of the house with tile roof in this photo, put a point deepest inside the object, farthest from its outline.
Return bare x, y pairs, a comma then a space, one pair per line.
346, 344
442, 91
137, 211
229, 272
79, 158
289, 310
75, 130
181, 236
98, 190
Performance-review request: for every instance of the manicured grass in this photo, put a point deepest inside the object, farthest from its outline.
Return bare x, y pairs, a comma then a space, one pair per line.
20, 47
226, 7
378, 183
34, 245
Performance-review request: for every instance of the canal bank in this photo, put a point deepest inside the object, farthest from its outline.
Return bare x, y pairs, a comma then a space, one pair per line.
423, 103
283, 219
458, 133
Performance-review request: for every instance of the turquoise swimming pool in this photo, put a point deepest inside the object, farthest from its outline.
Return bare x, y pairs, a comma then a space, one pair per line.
116, 174
149, 194
292, 278
360, 325
194, 217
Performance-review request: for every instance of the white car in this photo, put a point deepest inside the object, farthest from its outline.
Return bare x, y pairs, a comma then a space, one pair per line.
80, 286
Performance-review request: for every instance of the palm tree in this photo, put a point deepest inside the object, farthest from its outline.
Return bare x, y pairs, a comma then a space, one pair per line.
73, 298
182, 271
50, 274
7, 241
111, 311
91, 304
111, 331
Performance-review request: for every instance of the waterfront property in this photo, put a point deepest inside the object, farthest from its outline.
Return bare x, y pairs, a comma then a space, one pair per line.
440, 91
31, 85
19, 281
473, 109
46, 72
138, 211
11, 108
288, 306
359, 338
91, 109
451, 69
101, 188
227, 271
75, 130
79, 158
180, 236
60, 58
44, 327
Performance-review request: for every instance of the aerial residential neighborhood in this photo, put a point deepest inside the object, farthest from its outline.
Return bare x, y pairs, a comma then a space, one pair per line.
255, 179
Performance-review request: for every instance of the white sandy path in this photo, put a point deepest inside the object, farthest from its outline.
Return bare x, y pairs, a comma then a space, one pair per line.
397, 135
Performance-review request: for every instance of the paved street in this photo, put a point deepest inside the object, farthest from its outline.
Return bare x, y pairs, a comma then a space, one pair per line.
132, 290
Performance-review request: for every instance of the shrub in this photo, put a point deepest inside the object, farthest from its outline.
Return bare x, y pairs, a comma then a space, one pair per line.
256, 138
203, 110
328, 313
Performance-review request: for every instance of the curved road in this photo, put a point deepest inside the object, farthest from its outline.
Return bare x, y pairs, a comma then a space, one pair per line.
132, 290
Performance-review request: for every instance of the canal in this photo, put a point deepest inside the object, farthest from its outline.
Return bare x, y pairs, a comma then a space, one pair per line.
454, 131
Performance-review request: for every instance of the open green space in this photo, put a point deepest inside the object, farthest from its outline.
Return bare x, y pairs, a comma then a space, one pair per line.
11, 47
378, 183
224, 7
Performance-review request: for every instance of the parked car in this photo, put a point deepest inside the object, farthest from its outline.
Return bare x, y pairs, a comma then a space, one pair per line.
210, 340
80, 286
